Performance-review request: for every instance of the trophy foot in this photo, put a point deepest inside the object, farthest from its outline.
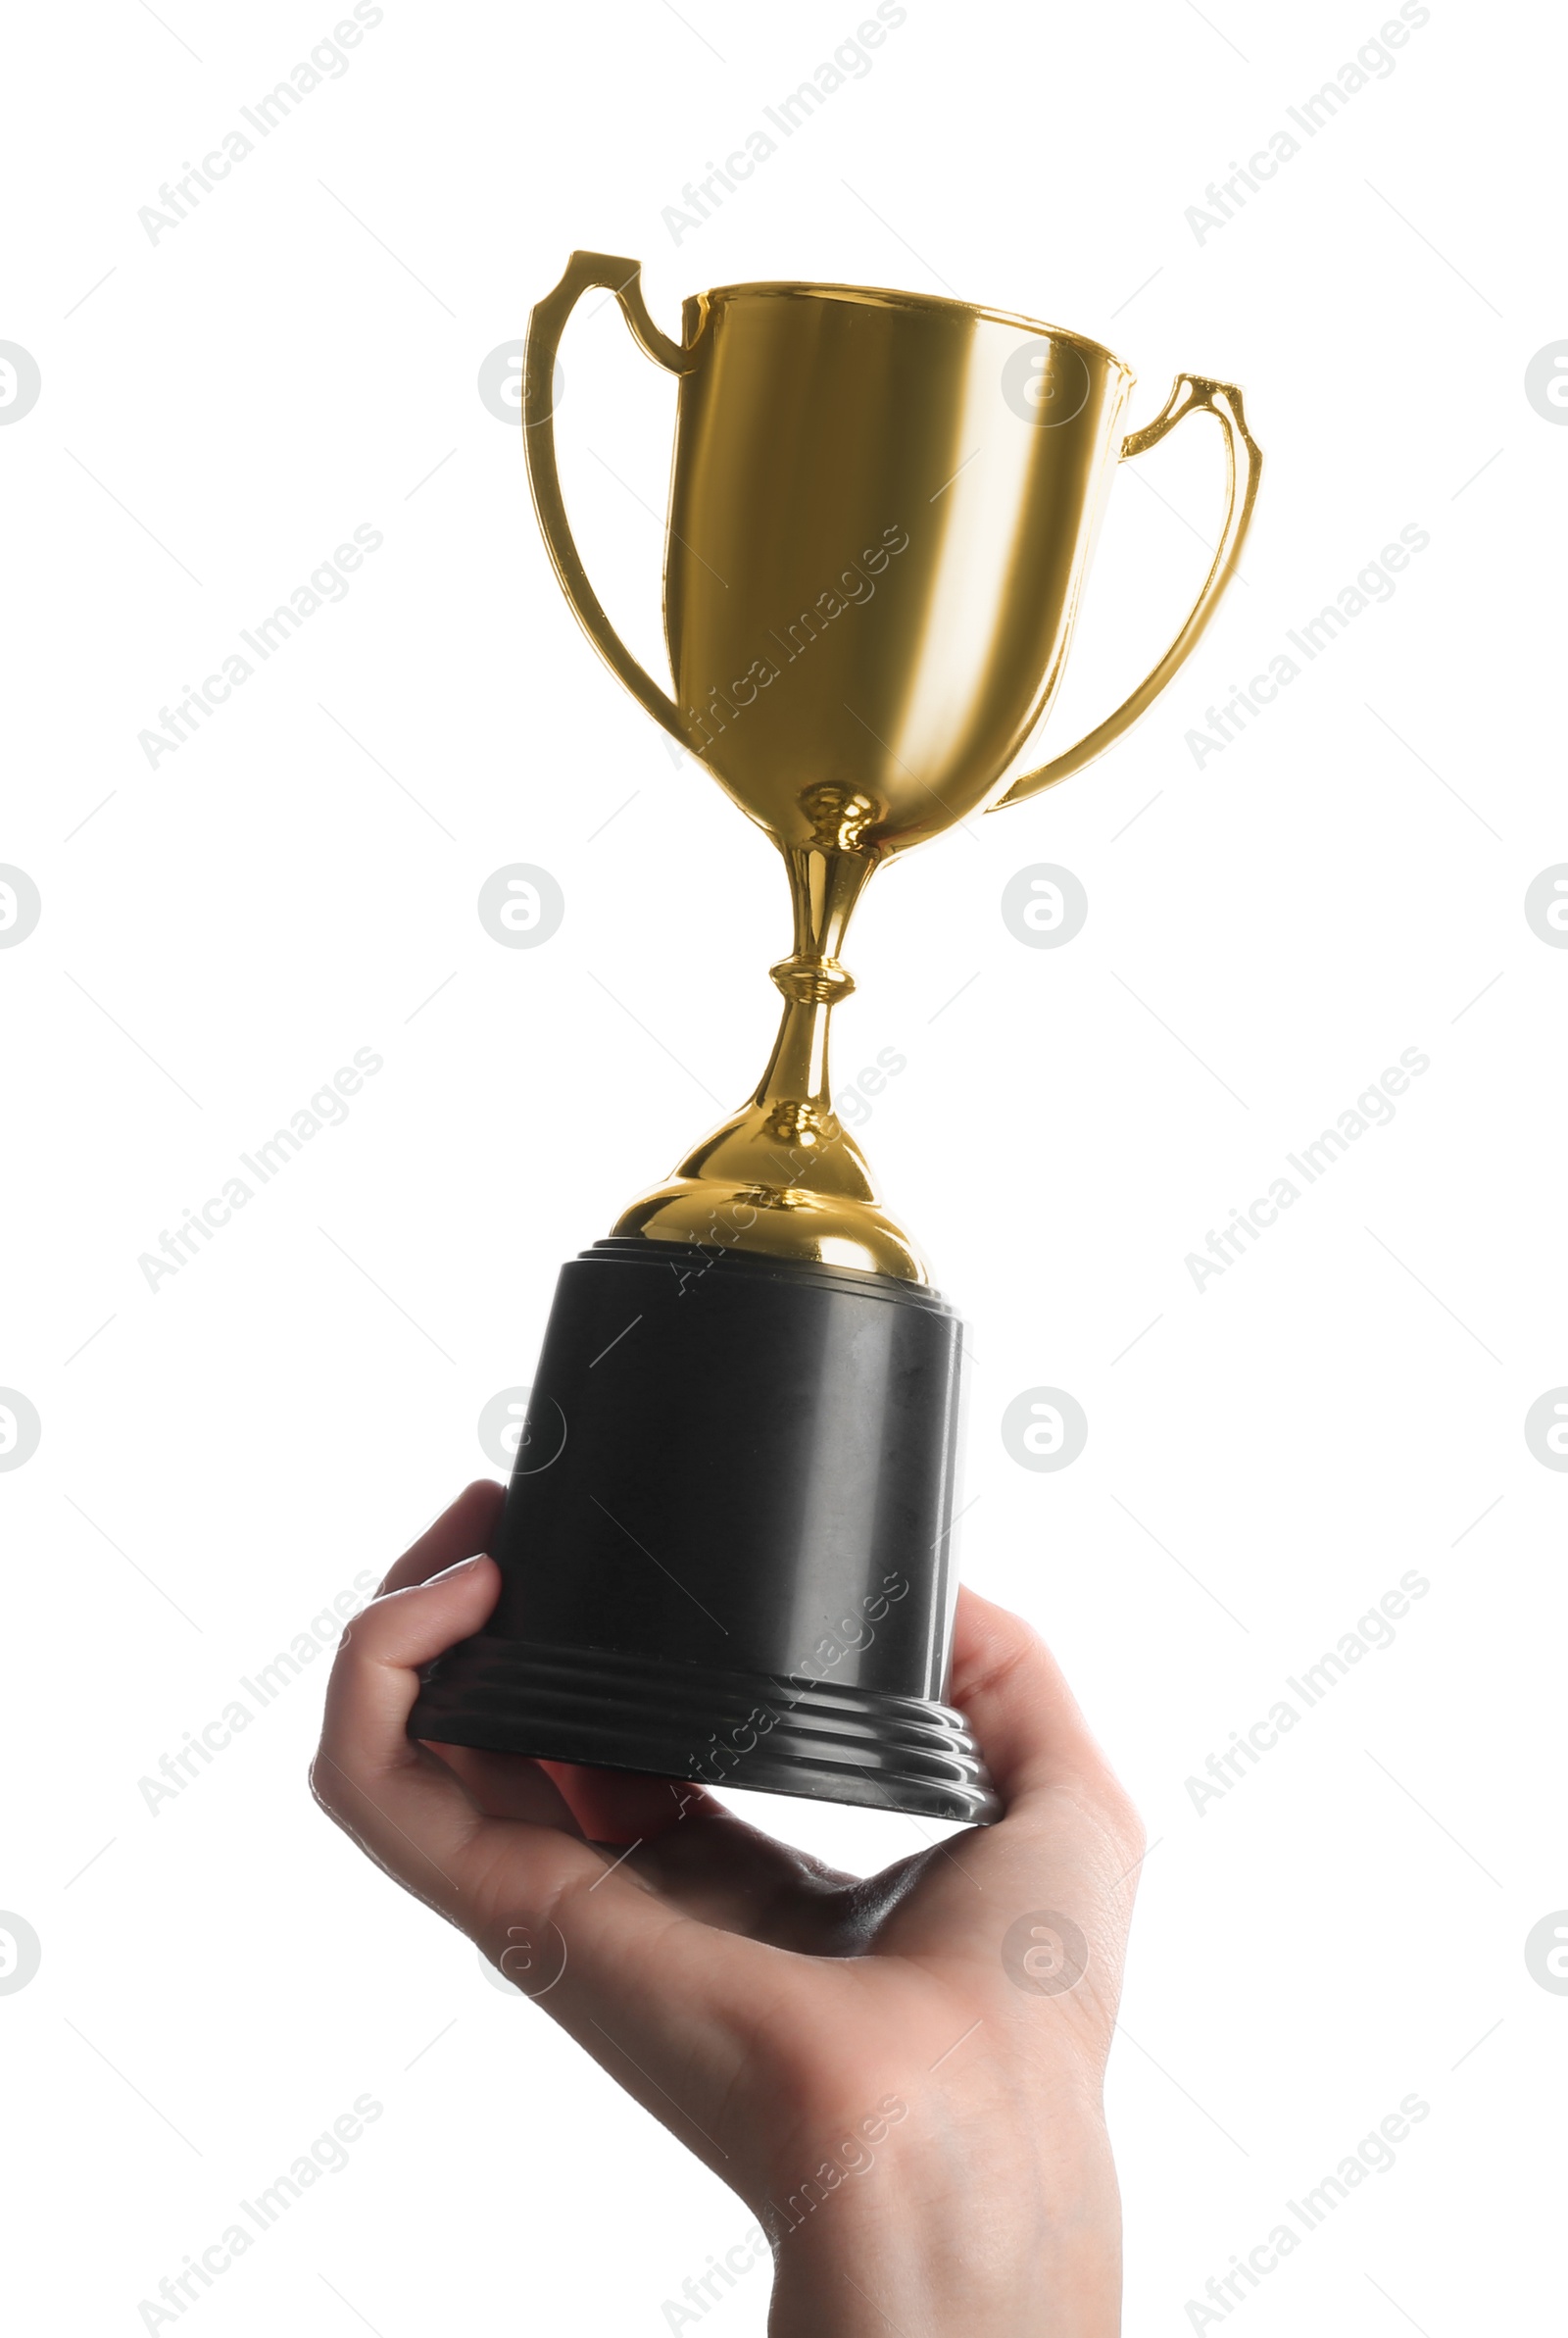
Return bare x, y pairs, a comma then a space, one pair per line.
782, 1220
726, 1548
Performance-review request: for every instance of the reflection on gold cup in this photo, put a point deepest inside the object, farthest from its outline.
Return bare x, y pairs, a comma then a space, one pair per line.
881, 517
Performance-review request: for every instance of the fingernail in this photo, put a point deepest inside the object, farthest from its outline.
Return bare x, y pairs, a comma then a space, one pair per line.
462, 1566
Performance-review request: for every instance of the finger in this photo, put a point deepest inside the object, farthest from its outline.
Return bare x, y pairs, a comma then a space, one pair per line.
502, 1785
408, 1808
683, 1842
464, 1527
727, 1874
629, 1952
609, 1806
1026, 1720
621, 1806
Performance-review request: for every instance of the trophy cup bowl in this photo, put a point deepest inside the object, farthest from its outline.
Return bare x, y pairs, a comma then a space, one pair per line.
726, 1543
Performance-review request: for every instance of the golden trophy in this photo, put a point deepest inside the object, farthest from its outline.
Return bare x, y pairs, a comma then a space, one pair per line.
726, 1548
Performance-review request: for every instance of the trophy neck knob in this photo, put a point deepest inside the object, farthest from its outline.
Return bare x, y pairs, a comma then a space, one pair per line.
812, 982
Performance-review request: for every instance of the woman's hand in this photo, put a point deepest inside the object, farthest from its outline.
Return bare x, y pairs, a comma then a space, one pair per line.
900, 2075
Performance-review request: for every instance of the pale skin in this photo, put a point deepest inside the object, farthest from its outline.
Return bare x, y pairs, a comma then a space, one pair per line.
764, 2007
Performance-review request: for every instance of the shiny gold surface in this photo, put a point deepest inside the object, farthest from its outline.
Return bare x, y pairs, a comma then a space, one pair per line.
882, 513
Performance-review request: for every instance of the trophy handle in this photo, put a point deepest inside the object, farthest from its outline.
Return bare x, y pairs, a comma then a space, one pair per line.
546, 324
1191, 393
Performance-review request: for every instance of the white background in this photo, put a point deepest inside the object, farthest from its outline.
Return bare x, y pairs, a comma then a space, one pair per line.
299, 356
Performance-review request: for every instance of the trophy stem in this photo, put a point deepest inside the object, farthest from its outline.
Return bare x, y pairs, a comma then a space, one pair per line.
782, 1176
825, 883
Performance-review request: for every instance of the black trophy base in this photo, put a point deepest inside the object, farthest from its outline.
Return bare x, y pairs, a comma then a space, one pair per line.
725, 1547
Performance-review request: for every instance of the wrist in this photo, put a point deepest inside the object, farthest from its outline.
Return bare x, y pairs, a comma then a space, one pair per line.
1021, 2242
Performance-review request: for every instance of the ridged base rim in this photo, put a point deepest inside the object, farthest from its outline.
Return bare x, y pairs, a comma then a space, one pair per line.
772, 1734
